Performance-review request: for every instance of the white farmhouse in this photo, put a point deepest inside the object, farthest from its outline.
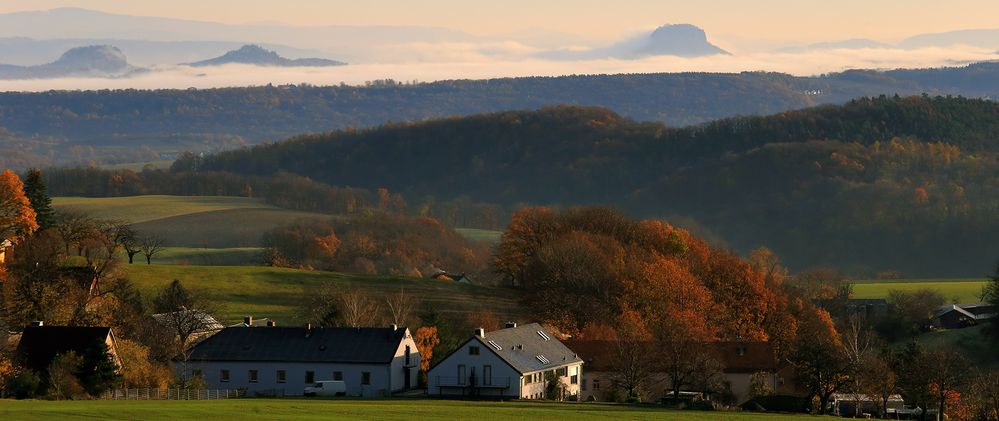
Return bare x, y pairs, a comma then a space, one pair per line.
281, 361
514, 362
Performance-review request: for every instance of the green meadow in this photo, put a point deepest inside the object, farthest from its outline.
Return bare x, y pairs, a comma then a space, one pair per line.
279, 293
954, 290
375, 409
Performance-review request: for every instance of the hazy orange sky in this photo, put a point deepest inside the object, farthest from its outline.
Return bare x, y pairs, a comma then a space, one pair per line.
789, 21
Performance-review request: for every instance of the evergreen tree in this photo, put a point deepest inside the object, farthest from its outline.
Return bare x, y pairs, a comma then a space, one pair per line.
98, 371
34, 189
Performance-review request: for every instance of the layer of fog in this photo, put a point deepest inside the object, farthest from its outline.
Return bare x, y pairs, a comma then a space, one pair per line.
434, 61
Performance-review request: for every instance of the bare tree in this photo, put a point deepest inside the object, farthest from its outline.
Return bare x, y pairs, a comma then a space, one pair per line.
185, 314
74, 227
333, 305
150, 246
400, 307
130, 241
632, 368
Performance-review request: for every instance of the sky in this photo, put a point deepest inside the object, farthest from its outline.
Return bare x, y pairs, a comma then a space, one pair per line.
514, 37
728, 21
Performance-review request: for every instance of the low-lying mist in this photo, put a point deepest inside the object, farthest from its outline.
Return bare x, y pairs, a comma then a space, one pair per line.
482, 61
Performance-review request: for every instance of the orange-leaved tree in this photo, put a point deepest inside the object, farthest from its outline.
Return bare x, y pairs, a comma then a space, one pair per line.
17, 217
426, 339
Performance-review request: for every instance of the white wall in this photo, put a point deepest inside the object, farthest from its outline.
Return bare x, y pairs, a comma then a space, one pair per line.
398, 366
295, 376
446, 372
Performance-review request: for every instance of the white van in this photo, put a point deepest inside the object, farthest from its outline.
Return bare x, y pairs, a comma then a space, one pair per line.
327, 388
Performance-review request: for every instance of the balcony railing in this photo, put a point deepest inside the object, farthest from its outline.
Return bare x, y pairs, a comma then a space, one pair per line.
485, 383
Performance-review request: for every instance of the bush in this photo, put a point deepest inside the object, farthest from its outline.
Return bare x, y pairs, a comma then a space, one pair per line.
26, 384
776, 403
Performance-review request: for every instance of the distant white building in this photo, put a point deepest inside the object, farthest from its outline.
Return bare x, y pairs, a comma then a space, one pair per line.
284, 360
4, 245
513, 362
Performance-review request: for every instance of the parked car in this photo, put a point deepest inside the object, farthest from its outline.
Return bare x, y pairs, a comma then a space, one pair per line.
327, 388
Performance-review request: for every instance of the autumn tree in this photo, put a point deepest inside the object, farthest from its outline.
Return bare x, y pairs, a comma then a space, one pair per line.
633, 366
41, 203
35, 289
984, 396
17, 217
819, 358
483, 318
426, 340
62, 376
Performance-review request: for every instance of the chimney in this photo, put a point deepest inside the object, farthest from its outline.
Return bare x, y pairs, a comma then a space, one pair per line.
271, 323
308, 329
37, 323
248, 320
480, 332
509, 325
395, 327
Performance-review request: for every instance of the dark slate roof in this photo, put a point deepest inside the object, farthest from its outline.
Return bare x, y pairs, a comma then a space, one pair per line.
299, 344
735, 357
521, 345
40, 344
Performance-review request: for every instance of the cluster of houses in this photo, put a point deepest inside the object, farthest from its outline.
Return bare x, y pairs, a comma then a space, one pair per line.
515, 362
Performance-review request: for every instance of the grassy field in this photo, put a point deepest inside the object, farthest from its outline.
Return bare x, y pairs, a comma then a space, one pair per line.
955, 290
235, 256
488, 236
301, 409
279, 293
200, 222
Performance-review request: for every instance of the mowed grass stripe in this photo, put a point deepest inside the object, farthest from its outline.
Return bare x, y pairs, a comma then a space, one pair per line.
138, 209
281, 293
374, 409
953, 290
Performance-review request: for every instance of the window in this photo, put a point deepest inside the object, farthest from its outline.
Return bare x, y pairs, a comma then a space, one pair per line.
282, 376
365, 378
596, 384
542, 359
407, 354
487, 375
252, 376
544, 335
310, 376
574, 379
461, 374
740, 350
196, 373
562, 372
224, 376
473, 350
495, 345
338, 375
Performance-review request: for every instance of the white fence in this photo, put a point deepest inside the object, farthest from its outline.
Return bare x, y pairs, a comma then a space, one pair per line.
173, 394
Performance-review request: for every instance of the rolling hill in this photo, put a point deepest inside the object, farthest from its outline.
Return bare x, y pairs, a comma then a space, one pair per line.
857, 176
279, 293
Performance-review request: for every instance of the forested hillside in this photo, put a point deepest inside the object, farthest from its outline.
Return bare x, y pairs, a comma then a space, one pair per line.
908, 184
137, 125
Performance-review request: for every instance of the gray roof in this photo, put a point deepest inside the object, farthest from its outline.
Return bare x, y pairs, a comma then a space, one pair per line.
299, 344
520, 347
974, 311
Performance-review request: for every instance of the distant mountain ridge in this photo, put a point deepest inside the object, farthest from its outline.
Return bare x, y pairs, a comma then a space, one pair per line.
680, 40
256, 55
90, 61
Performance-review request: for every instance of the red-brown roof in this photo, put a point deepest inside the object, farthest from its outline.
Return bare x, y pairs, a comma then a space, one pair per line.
736, 357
